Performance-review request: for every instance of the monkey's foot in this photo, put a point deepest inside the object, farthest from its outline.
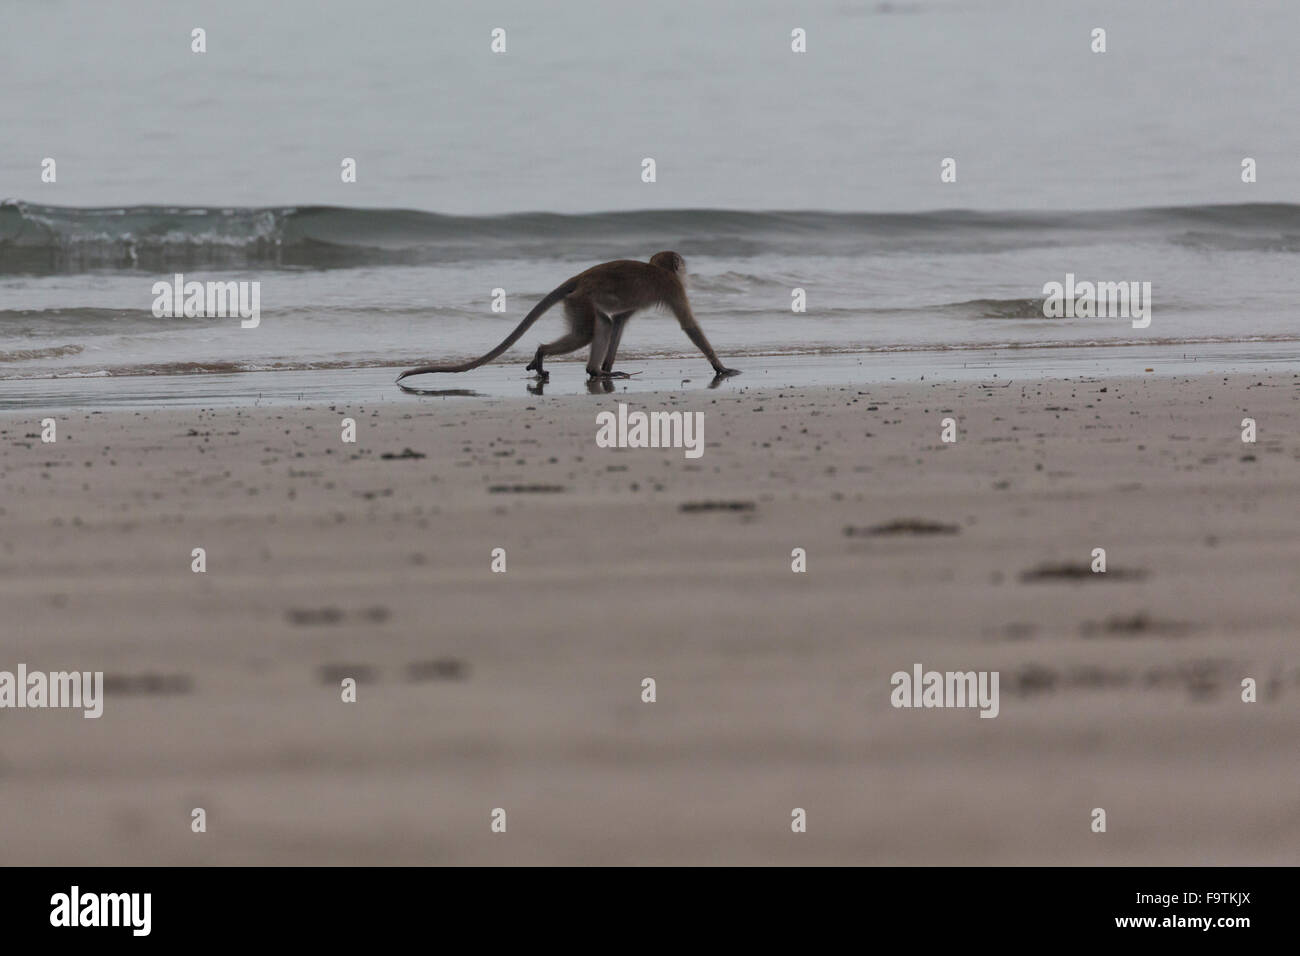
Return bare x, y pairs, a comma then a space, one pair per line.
721, 376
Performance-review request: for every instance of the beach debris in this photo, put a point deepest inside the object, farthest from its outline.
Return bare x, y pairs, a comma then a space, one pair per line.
1140, 624
916, 526
1201, 679
444, 668
1078, 572
311, 617
335, 673
694, 506
314, 616
147, 684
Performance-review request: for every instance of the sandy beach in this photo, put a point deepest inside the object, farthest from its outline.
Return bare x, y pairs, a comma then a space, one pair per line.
522, 690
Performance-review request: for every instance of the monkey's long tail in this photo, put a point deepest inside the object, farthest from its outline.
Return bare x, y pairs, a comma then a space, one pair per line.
510, 339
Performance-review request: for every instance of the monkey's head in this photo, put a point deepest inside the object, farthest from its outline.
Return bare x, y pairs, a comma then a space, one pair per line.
670, 261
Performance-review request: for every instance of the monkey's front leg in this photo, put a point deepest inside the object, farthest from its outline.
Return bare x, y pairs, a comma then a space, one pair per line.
696, 335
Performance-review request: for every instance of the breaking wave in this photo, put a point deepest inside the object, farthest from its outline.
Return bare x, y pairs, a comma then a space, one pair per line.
38, 239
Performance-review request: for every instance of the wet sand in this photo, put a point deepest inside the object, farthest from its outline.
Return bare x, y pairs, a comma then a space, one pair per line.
508, 379
522, 690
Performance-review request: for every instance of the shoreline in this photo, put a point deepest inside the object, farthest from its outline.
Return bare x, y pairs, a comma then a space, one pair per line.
691, 374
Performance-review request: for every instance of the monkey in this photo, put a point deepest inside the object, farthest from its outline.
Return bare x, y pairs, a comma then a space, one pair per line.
597, 306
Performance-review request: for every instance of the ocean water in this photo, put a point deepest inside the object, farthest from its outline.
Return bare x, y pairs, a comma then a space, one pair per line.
775, 171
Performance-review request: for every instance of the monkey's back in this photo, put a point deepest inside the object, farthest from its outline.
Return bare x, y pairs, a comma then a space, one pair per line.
626, 285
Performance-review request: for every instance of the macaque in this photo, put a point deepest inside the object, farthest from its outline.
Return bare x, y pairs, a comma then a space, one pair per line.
597, 306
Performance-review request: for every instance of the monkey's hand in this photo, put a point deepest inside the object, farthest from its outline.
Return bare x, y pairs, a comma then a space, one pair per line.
720, 372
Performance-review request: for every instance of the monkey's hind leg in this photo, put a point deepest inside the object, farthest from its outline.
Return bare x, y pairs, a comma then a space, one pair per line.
619, 322
581, 318
603, 332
